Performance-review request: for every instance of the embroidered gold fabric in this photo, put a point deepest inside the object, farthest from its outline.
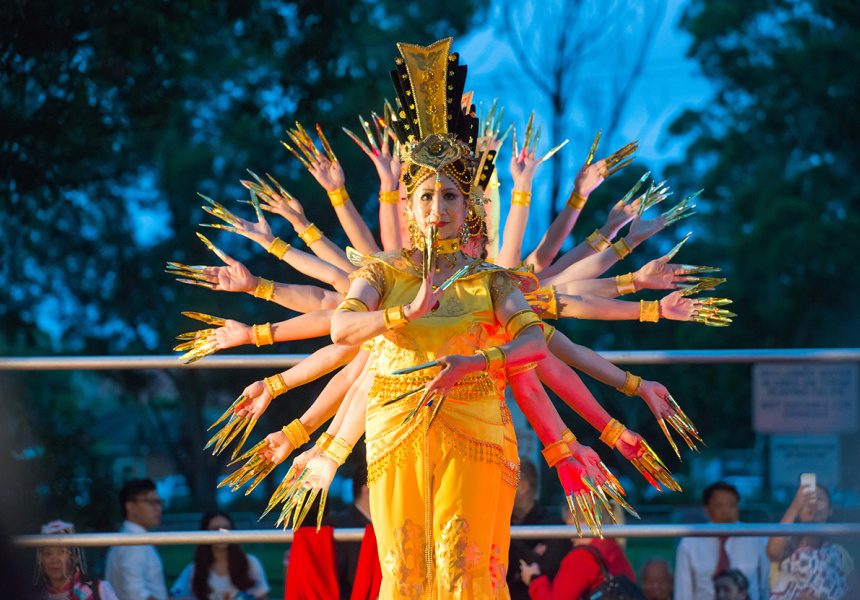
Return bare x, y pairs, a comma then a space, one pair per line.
455, 556
404, 563
544, 301
498, 572
502, 284
374, 274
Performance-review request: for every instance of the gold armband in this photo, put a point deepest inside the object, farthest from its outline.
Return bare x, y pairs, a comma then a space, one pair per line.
612, 432
279, 247
338, 450
352, 305
262, 335
631, 384
576, 200
323, 441
389, 197
621, 248
597, 241
265, 289
395, 317
520, 369
338, 197
276, 385
649, 311
625, 284
521, 321
519, 198
548, 331
311, 234
567, 436
556, 452
296, 433
495, 358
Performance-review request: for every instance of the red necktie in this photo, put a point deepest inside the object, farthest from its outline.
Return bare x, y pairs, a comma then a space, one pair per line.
723, 563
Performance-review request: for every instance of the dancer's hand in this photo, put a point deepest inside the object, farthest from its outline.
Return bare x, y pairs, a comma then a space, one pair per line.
619, 215
288, 207
628, 445
235, 277
659, 274
327, 173
523, 167
232, 334
257, 399
258, 231
387, 164
677, 307
641, 230
278, 447
590, 461
425, 299
454, 368
570, 473
322, 471
589, 178
656, 396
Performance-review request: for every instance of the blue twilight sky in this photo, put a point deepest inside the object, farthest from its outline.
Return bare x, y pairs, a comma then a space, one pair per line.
670, 83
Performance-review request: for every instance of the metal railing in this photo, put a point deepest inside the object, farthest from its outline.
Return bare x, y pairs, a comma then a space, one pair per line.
643, 357
177, 538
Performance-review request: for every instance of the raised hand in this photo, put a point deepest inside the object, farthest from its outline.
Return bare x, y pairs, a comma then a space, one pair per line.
258, 231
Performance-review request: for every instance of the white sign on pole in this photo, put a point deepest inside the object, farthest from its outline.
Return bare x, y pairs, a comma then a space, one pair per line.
791, 455
805, 397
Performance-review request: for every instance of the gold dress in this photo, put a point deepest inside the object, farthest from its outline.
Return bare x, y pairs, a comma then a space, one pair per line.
436, 493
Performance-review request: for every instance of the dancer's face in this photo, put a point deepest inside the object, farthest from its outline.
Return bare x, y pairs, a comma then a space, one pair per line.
57, 563
446, 207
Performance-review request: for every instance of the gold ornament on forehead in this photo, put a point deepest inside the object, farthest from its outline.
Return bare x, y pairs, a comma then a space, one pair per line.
436, 151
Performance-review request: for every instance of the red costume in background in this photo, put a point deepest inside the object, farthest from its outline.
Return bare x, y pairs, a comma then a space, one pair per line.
579, 572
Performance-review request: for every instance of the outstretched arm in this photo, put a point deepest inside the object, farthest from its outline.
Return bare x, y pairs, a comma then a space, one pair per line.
523, 166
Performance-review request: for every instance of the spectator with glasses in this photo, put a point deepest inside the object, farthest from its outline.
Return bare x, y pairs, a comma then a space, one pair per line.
136, 572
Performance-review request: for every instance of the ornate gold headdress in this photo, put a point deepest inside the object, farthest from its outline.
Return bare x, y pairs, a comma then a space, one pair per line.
437, 130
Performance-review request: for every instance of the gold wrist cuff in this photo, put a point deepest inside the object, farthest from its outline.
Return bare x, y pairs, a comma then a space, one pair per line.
265, 289
389, 197
338, 450
296, 433
521, 321
597, 241
625, 284
576, 201
262, 335
338, 197
323, 441
353, 305
279, 247
276, 385
311, 234
519, 198
395, 317
621, 248
612, 432
556, 452
631, 384
567, 436
495, 358
649, 311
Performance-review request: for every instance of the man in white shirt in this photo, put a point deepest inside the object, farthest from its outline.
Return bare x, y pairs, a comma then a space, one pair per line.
699, 559
136, 572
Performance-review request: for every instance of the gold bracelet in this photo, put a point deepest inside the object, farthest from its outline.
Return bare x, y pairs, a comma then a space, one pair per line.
519, 198
612, 432
520, 369
621, 248
338, 197
392, 197
279, 247
556, 452
352, 305
265, 289
296, 433
548, 331
338, 450
625, 284
262, 335
567, 436
597, 241
276, 385
631, 384
395, 317
324, 440
521, 321
310, 235
576, 200
495, 358
649, 311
